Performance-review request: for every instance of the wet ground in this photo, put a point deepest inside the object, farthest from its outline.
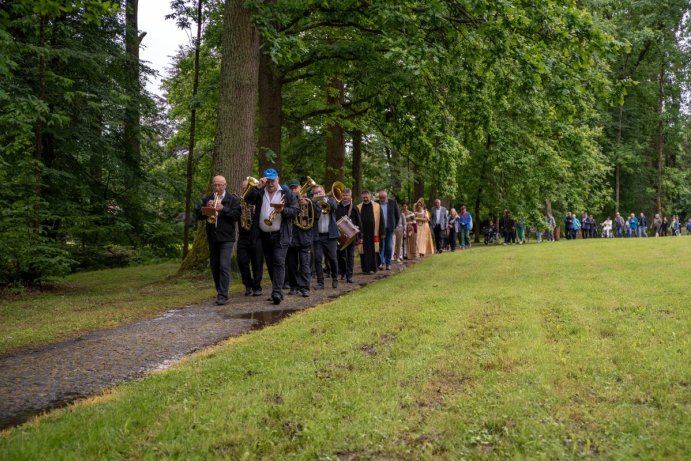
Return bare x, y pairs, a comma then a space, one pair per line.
36, 380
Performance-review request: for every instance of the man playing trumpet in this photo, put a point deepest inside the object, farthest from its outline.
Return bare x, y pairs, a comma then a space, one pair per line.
275, 209
221, 211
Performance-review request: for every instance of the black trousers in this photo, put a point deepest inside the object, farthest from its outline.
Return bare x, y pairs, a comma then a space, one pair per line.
452, 238
251, 263
219, 258
275, 257
299, 267
346, 261
438, 237
325, 247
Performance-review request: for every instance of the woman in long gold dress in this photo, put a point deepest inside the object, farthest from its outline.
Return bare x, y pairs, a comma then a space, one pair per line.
424, 235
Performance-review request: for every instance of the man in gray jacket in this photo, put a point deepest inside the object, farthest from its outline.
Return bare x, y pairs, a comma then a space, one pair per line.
439, 221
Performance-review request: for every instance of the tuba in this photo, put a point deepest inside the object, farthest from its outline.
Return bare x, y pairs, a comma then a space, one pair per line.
245, 208
305, 218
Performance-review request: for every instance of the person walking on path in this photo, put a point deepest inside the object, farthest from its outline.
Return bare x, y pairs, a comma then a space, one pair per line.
221, 211
465, 225
642, 226
439, 220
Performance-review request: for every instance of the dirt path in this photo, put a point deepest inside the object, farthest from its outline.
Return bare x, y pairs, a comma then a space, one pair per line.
51, 376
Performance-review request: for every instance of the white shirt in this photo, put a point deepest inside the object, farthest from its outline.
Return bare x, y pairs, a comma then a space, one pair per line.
267, 209
437, 212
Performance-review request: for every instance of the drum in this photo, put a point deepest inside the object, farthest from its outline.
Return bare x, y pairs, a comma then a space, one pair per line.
347, 232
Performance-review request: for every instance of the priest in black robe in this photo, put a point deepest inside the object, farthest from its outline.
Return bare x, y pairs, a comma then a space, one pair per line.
371, 232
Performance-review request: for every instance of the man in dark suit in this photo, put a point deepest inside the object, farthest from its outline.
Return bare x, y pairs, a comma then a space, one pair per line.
249, 249
392, 216
299, 258
221, 211
275, 209
346, 256
325, 236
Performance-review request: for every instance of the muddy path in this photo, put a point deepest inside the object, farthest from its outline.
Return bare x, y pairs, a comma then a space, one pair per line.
39, 379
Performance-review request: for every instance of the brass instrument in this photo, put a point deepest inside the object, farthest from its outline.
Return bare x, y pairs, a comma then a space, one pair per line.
336, 192
305, 218
246, 209
270, 220
213, 219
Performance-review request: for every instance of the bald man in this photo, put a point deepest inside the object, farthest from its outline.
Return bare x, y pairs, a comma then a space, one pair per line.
220, 233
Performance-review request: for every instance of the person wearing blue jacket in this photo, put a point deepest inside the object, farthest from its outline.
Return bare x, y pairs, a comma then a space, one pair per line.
633, 224
575, 227
465, 224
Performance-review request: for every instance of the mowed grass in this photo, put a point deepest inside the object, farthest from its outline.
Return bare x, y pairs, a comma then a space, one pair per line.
567, 350
95, 300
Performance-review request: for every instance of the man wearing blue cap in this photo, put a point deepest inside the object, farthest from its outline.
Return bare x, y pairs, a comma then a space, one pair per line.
275, 209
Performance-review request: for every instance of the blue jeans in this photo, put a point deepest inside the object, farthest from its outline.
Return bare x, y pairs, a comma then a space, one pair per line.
643, 231
386, 251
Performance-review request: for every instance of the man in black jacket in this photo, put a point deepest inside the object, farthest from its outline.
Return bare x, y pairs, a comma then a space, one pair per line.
346, 256
221, 211
299, 257
325, 237
275, 209
249, 249
392, 216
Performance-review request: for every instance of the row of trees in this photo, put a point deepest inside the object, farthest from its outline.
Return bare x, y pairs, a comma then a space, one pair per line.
521, 105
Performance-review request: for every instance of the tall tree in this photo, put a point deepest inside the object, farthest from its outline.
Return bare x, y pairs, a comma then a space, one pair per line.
235, 140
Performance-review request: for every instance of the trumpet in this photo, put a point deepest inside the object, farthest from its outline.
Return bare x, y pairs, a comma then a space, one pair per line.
213, 219
270, 220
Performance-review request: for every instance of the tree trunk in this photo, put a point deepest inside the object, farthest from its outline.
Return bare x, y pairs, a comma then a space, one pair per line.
38, 129
131, 135
335, 139
193, 124
660, 138
270, 114
235, 142
617, 166
357, 164
419, 186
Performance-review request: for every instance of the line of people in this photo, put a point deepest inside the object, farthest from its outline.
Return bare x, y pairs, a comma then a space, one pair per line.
296, 233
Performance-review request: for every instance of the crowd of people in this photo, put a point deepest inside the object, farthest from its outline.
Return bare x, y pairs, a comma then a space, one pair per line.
300, 231
586, 227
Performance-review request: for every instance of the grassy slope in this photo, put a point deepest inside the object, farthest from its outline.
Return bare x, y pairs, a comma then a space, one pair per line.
567, 350
95, 300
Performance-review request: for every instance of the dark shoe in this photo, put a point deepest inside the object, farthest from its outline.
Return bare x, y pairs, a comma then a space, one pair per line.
293, 291
248, 292
276, 298
320, 286
342, 277
349, 280
257, 292
305, 293
334, 284
221, 300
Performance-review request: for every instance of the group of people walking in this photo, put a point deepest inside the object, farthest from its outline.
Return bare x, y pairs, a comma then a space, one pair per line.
586, 227
297, 231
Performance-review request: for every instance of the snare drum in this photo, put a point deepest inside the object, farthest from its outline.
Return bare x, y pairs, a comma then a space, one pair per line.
347, 232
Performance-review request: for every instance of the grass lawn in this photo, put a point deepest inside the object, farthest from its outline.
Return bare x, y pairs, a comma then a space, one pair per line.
94, 300
555, 351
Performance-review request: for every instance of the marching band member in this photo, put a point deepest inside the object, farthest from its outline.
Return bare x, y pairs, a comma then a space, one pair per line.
275, 209
346, 255
325, 236
221, 211
371, 231
249, 249
298, 260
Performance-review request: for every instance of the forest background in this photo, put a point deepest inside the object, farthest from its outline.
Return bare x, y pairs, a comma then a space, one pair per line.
530, 106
